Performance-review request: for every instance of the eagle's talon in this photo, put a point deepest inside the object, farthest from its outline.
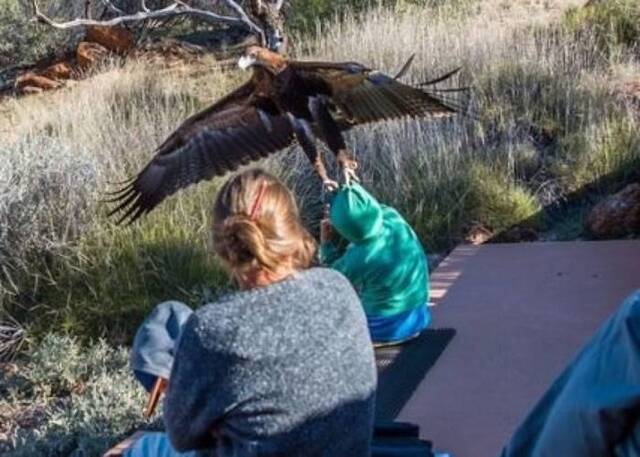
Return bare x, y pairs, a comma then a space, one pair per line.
349, 175
329, 185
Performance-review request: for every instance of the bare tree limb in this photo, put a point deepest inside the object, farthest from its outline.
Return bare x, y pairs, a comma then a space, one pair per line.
264, 19
176, 9
273, 4
271, 20
245, 18
112, 7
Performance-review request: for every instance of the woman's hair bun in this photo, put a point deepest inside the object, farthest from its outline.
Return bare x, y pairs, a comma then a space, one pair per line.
241, 240
256, 224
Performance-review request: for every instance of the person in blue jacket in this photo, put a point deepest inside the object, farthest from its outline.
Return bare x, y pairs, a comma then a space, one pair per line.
593, 408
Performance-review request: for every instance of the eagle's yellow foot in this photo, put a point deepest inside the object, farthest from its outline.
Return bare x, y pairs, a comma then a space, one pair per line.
349, 172
329, 185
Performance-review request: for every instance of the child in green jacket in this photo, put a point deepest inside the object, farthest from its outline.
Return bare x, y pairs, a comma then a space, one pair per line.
384, 261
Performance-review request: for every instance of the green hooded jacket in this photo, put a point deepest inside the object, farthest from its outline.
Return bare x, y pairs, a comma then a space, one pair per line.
384, 260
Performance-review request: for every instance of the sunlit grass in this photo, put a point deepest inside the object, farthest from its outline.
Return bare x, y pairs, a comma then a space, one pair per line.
544, 123
547, 127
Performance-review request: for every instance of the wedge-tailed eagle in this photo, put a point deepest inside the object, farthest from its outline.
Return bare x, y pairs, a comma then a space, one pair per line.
284, 102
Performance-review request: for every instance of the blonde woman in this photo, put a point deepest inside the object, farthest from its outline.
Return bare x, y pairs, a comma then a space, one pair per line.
284, 367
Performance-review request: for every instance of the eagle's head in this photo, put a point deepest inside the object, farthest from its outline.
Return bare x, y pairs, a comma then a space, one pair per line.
256, 56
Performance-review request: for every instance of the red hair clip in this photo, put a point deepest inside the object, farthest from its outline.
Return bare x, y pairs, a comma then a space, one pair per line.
257, 203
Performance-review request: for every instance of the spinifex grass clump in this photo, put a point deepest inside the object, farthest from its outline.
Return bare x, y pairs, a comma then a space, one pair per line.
115, 275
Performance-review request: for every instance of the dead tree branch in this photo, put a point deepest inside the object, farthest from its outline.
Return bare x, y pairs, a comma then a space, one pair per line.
110, 6
270, 17
265, 21
243, 16
173, 10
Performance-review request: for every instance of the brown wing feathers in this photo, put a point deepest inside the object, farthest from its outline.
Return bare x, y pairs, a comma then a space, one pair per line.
246, 126
380, 97
365, 96
229, 139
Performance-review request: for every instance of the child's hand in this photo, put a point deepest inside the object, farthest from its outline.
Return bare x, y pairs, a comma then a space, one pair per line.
326, 231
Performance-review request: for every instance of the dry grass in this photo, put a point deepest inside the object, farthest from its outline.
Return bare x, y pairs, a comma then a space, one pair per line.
545, 103
552, 119
63, 152
536, 89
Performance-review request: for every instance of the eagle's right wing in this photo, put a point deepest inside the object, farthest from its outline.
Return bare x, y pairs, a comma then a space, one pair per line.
232, 132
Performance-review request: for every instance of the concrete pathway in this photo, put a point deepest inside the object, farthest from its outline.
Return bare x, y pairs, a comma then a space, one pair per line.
521, 312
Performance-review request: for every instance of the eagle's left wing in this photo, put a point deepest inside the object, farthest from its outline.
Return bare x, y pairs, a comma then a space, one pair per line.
363, 95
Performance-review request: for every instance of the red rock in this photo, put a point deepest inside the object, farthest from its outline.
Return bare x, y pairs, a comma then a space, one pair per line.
60, 70
478, 234
90, 53
617, 215
115, 39
31, 90
32, 80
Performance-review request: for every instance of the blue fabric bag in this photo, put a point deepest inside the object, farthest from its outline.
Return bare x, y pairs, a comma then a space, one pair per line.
156, 341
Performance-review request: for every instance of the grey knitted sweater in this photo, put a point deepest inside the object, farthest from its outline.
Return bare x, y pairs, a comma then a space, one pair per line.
283, 370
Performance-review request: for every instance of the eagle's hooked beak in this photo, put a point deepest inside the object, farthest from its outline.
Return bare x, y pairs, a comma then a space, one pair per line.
246, 61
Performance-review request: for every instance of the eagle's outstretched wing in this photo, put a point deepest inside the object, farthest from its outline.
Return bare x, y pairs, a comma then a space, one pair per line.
362, 95
232, 132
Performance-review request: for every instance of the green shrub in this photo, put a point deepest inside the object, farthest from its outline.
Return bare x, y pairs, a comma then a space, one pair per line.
79, 400
23, 41
304, 15
615, 24
59, 365
599, 159
109, 281
441, 209
497, 202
